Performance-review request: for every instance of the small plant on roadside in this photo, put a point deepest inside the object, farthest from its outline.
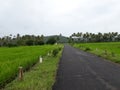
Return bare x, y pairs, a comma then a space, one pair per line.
55, 52
59, 48
105, 52
87, 49
99, 55
113, 54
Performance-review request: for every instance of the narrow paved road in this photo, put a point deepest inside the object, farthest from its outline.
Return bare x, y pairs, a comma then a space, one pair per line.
79, 70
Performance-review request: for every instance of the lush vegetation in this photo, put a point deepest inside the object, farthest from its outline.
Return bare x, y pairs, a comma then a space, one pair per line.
109, 50
40, 77
58, 38
92, 37
18, 40
30, 40
12, 58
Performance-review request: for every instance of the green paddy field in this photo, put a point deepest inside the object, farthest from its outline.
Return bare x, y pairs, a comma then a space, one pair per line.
28, 57
108, 50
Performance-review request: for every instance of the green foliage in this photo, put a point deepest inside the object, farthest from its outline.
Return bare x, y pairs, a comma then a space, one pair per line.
113, 54
29, 42
59, 38
55, 52
12, 45
40, 42
25, 40
95, 37
51, 40
60, 48
87, 49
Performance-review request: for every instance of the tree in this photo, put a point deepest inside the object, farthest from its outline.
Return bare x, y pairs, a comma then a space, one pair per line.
29, 42
57, 38
40, 42
51, 40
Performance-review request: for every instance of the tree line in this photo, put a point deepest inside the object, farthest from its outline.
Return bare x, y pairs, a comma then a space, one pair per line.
29, 40
25, 40
92, 37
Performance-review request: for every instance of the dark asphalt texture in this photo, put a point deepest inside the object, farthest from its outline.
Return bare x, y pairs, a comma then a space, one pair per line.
79, 70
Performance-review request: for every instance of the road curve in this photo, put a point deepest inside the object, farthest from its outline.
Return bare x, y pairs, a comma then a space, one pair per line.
79, 70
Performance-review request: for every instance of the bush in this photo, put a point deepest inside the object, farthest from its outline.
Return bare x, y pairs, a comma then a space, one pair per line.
12, 45
40, 42
29, 42
59, 48
113, 54
51, 40
87, 49
55, 52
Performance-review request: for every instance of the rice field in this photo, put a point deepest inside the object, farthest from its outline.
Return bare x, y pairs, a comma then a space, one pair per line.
12, 58
108, 50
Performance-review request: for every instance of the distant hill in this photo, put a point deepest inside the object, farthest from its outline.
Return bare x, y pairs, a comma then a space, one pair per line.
59, 38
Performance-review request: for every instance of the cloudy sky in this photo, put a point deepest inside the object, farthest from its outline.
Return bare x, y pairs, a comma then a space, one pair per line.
51, 17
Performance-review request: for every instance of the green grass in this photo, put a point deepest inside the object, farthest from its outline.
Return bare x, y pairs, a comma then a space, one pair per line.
108, 50
12, 58
40, 77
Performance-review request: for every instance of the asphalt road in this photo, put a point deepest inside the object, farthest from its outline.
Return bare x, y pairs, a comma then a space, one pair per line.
79, 70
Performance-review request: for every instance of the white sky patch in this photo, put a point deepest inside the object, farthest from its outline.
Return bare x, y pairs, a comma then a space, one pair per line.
50, 17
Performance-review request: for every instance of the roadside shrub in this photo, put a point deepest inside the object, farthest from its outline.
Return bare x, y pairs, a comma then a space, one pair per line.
59, 48
80, 46
87, 49
99, 55
72, 44
113, 54
105, 52
55, 52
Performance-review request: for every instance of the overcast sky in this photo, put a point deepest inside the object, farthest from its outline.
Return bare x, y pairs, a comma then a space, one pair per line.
51, 17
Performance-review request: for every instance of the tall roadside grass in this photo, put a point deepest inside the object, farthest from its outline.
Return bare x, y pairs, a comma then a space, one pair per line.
108, 50
12, 58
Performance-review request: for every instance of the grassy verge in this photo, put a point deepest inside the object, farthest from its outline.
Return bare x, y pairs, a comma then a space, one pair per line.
40, 77
109, 50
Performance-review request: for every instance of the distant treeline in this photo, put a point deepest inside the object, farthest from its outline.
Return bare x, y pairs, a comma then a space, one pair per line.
25, 40
92, 37
29, 40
